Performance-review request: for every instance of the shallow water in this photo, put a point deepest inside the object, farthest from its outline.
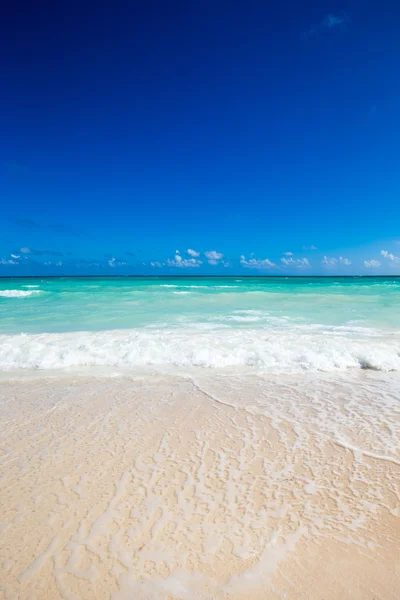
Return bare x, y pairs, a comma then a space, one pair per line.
278, 324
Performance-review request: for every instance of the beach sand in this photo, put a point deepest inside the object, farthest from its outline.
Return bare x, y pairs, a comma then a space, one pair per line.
166, 487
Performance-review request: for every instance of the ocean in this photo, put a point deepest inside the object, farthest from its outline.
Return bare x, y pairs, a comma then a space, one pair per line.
258, 324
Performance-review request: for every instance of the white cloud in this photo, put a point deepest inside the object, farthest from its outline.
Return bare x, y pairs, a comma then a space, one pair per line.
113, 262
155, 264
391, 257
312, 247
254, 263
59, 264
213, 256
178, 261
5, 261
288, 253
371, 263
25, 250
192, 253
14, 256
330, 261
296, 262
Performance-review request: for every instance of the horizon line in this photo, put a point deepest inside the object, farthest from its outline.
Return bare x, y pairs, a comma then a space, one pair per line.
197, 276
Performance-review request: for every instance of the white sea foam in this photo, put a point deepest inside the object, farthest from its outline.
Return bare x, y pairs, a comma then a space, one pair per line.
357, 410
199, 287
170, 285
272, 351
238, 318
18, 293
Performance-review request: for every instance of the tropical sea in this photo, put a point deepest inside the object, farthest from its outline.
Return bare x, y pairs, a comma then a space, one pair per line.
265, 324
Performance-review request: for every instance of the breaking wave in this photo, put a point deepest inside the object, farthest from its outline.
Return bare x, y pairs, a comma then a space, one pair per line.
18, 293
274, 351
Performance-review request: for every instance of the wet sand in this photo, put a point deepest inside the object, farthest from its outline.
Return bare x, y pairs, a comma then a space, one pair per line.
177, 488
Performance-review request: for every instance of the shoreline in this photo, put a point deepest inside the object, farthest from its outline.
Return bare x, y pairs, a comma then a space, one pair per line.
168, 487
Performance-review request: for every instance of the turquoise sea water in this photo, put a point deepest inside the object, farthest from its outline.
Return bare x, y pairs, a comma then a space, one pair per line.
279, 324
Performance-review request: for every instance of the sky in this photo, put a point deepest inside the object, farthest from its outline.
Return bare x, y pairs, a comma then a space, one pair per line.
211, 137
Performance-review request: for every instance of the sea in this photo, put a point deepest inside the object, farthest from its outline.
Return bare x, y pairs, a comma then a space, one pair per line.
271, 325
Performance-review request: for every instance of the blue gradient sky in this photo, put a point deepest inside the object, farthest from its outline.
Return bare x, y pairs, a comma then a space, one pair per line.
244, 129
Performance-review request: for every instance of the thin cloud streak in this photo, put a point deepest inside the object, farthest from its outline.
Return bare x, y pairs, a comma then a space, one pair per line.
331, 23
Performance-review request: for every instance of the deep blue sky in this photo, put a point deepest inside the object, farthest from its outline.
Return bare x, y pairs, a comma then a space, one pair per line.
130, 130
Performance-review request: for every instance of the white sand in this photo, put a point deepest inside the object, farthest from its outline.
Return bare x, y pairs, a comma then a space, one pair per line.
171, 488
